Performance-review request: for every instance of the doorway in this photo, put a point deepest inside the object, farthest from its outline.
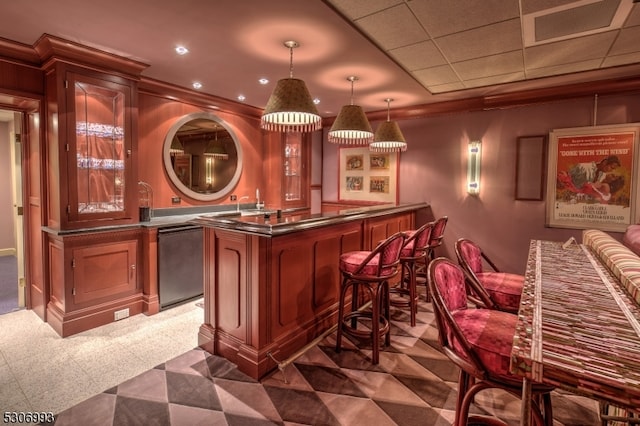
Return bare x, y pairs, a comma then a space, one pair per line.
12, 282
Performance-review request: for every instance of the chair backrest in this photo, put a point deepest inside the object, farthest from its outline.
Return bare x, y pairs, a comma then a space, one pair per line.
387, 256
418, 243
471, 260
446, 282
437, 234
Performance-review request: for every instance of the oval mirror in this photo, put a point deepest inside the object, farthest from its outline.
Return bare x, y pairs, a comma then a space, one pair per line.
202, 156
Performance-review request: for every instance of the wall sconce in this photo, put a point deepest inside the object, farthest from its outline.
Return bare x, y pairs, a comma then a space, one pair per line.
474, 157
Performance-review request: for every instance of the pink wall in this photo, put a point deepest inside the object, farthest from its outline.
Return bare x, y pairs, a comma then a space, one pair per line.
7, 230
434, 170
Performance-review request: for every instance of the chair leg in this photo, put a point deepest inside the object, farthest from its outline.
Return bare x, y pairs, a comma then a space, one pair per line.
413, 303
343, 291
375, 323
386, 303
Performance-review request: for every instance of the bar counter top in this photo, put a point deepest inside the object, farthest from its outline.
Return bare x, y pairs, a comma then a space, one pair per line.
266, 223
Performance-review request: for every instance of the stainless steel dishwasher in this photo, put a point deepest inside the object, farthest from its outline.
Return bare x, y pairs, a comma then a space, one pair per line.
180, 264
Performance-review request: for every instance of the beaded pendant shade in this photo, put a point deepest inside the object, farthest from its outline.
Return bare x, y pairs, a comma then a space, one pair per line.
388, 136
290, 107
351, 126
176, 146
216, 150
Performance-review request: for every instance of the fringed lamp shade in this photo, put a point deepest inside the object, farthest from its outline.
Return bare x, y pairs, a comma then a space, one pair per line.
351, 127
176, 147
291, 109
388, 138
216, 151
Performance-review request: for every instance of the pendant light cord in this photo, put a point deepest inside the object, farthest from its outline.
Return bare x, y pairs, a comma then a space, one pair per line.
388, 109
290, 61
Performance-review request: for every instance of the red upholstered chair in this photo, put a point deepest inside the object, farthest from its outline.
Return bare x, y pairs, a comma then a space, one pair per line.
479, 342
435, 241
503, 288
414, 251
437, 236
369, 271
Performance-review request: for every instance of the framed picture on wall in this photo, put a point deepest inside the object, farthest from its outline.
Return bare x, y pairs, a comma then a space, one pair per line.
367, 176
593, 177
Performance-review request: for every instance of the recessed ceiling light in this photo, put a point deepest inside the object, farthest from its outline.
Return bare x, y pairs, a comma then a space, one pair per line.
241, 98
264, 81
316, 101
181, 50
197, 85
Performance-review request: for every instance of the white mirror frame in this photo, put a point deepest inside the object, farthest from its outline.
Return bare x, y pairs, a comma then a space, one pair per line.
172, 174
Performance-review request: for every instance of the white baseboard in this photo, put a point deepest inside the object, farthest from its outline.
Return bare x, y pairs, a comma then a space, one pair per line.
8, 252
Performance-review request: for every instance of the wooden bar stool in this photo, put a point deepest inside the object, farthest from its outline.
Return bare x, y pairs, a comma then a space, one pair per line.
414, 251
503, 288
371, 271
435, 241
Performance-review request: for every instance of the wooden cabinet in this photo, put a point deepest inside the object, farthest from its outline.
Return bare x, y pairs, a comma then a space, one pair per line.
92, 181
287, 166
95, 279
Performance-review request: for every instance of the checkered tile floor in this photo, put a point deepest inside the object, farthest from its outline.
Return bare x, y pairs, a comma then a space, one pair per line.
414, 384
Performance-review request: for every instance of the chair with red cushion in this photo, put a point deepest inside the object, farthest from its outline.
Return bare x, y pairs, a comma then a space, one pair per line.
479, 342
371, 272
503, 288
435, 241
414, 251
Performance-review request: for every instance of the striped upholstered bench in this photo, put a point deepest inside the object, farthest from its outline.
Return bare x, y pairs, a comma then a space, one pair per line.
622, 262
625, 265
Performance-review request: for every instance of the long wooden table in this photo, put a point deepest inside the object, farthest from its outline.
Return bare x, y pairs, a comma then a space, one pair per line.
577, 328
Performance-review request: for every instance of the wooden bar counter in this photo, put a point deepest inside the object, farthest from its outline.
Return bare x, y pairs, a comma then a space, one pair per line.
271, 284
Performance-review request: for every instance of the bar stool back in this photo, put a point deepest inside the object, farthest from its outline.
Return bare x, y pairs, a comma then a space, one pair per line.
371, 271
414, 250
435, 241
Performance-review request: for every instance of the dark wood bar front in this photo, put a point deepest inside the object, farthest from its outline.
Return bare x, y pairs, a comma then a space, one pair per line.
271, 284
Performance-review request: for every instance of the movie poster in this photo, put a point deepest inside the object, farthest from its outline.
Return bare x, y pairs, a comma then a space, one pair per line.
594, 179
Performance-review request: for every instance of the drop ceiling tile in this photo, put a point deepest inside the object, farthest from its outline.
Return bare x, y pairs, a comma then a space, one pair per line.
393, 28
569, 51
493, 80
627, 42
358, 9
490, 65
634, 16
443, 88
436, 75
630, 58
490, 40
447, 17
418, 56
564, 69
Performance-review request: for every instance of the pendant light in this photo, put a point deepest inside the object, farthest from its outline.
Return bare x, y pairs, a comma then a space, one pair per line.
176, 147
216, 150
351, 126
388, 137
290, 107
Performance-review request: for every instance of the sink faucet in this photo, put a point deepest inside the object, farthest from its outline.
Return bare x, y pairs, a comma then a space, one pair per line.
259, 205
244, 197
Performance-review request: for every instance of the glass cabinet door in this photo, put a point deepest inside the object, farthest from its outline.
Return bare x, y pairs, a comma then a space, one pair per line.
102, 150
293, 167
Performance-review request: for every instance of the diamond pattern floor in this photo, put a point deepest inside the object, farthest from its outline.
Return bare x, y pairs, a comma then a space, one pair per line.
414, 384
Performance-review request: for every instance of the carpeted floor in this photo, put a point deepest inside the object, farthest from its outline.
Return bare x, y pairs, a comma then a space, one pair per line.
8, 284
